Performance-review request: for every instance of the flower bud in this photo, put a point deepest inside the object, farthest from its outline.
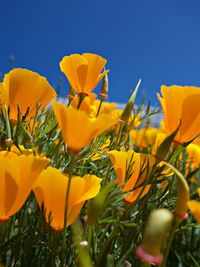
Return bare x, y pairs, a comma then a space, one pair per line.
104, 88
157, 227
129, 106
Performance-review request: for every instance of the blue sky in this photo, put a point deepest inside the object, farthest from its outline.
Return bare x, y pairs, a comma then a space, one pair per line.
157, 40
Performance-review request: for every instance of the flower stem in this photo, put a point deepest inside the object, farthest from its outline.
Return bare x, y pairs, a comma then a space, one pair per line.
169, 242
99, 108
8, 128
71, 167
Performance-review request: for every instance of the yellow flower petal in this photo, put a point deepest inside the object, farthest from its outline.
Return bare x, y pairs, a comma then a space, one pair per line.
120, 161
9, 184
190, 126
77, 128
26, 88
50, 190
18, 175
181, 108
30, 168
132, 163
83, 71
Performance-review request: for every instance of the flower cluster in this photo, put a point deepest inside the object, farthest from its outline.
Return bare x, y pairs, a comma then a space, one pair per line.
85, 163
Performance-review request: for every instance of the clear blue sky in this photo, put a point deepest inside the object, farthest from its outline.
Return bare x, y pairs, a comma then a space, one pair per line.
157, 40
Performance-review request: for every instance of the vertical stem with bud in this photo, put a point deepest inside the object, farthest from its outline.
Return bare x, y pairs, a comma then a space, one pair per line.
103, 92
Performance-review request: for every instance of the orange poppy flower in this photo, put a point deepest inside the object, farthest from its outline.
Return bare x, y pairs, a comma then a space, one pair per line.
18, 175
51, 188
122, 162
25, 88
77, 128
180, 105
83, 71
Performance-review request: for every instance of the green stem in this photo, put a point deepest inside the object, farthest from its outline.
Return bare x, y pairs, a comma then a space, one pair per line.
90, 230
83, 253
99, 108
169, 242
81, 97
71, 167
8, 128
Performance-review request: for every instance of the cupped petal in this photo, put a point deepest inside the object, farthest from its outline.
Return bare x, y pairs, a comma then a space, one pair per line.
75, 125
9, 185
83, 71
194, 206
27, 88
73, 66
171, 107
92, 185
131, 164
180, 108
120, 161
96, 64
50, 191
190, 122
77, 128
27, 169
30, 168
51, 188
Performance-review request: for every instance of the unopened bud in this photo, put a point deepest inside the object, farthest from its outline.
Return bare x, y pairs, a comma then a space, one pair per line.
155, 233
129, 106
104, 88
